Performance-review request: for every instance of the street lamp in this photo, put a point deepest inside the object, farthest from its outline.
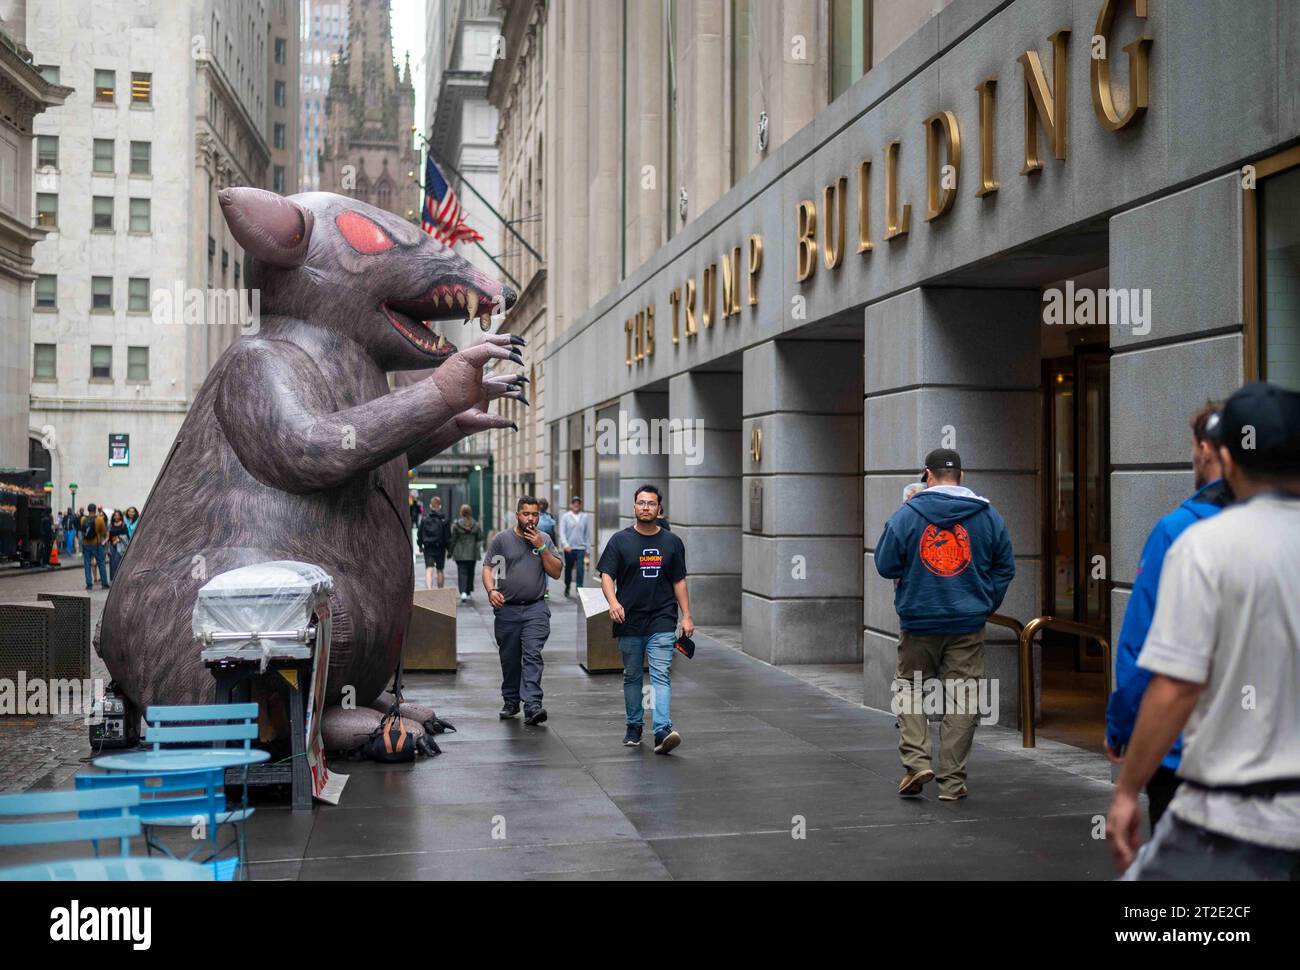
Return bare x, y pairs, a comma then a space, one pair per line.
479, 469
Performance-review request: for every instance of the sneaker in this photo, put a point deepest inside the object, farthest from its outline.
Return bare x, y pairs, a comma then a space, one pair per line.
956, 796
913, 782
632, 738
536, 717
508, 711
665, 741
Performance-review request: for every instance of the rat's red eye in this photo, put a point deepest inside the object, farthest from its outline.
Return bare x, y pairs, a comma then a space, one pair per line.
362, 234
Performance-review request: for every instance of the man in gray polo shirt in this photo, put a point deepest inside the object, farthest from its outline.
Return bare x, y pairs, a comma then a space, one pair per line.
1222, 649
515, 567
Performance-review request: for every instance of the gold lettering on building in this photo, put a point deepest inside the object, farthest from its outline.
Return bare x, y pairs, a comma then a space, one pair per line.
806, 241
650, 330
675, 301
731, 283
895, 225
864, 206
627, 329
833, 216
1139, 67
755, 264
988, 184
707, 298
691, 328
941, 186
1044, 103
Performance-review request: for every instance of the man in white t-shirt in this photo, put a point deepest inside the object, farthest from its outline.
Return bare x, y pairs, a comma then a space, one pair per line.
1224, 651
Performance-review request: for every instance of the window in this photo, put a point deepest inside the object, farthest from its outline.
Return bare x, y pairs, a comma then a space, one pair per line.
47, 291
279, 135
105, 83
225, 262
279, 94
850, 43
47, 209
101, 362
45, 362
140, 215
1279, 297
47, 151
277, 179
103, 163
50, 72
137, 295
141, 158
280, 48
141, 87
137, 363
101, 292
102, 208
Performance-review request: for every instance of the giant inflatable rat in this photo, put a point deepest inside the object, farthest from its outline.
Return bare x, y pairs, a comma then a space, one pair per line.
295, 448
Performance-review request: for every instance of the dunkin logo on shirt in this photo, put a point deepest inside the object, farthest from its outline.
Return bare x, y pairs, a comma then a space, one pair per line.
652, 560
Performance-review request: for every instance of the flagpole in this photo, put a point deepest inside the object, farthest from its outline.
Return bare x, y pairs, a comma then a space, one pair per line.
481, 248
510, 229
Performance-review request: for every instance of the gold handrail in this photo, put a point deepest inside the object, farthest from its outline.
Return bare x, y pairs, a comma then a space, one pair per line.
1027, 635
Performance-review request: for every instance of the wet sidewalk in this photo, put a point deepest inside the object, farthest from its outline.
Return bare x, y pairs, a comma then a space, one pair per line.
775, 779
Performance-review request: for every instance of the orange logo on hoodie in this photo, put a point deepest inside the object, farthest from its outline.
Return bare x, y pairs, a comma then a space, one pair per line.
945, 552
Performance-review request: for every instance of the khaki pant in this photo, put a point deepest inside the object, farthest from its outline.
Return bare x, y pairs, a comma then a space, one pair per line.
958, 660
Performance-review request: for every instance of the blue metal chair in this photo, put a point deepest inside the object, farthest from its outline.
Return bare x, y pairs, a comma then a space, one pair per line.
179, 800
110, 817
214, 726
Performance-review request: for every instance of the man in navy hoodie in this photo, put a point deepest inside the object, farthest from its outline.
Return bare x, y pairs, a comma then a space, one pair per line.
1212, 494
950, 552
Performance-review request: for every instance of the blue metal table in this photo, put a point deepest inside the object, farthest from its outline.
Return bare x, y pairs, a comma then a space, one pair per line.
181, 759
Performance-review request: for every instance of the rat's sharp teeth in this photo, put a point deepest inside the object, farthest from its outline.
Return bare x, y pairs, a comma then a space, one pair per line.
471, 304
460, 298
485, 323
446, 297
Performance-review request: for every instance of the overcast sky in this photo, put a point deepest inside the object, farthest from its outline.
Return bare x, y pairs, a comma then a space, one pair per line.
408, 35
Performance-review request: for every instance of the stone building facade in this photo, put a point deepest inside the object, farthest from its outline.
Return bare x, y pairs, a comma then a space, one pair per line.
781, 340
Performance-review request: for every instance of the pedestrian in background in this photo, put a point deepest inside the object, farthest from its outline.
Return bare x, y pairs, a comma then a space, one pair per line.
132, 518
575, 540
433, 535
118, 537
1212, 494
951, 553
94, 538
516, 566
643, 577
47, 538
1224, 654
466, 538
546, 521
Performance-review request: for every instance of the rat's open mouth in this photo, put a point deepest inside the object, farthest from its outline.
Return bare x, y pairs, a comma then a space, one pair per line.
445, 302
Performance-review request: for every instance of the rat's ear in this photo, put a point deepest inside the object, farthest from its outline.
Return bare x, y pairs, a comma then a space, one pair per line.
271, 228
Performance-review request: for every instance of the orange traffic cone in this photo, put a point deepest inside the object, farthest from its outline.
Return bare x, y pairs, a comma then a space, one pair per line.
54, 554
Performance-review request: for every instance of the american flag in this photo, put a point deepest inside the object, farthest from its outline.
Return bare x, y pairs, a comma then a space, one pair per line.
442, 215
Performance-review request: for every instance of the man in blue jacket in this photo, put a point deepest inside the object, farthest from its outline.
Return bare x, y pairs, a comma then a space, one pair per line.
950, 552
1212, 494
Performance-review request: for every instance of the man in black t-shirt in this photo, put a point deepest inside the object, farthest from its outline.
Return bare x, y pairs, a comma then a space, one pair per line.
647, 565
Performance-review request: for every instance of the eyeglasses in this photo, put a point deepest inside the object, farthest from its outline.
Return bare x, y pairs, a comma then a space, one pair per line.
646, 505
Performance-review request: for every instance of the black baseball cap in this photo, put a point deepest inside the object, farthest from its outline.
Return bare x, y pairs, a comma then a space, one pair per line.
1260, 427
941, 458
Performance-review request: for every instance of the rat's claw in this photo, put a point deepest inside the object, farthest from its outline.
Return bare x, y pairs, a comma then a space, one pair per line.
517, 340
517, 359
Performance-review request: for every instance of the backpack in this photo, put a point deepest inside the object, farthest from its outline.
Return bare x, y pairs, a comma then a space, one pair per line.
88, 531
393, 743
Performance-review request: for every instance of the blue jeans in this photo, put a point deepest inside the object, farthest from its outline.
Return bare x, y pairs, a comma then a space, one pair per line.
660, 648
97, 551
573, 560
